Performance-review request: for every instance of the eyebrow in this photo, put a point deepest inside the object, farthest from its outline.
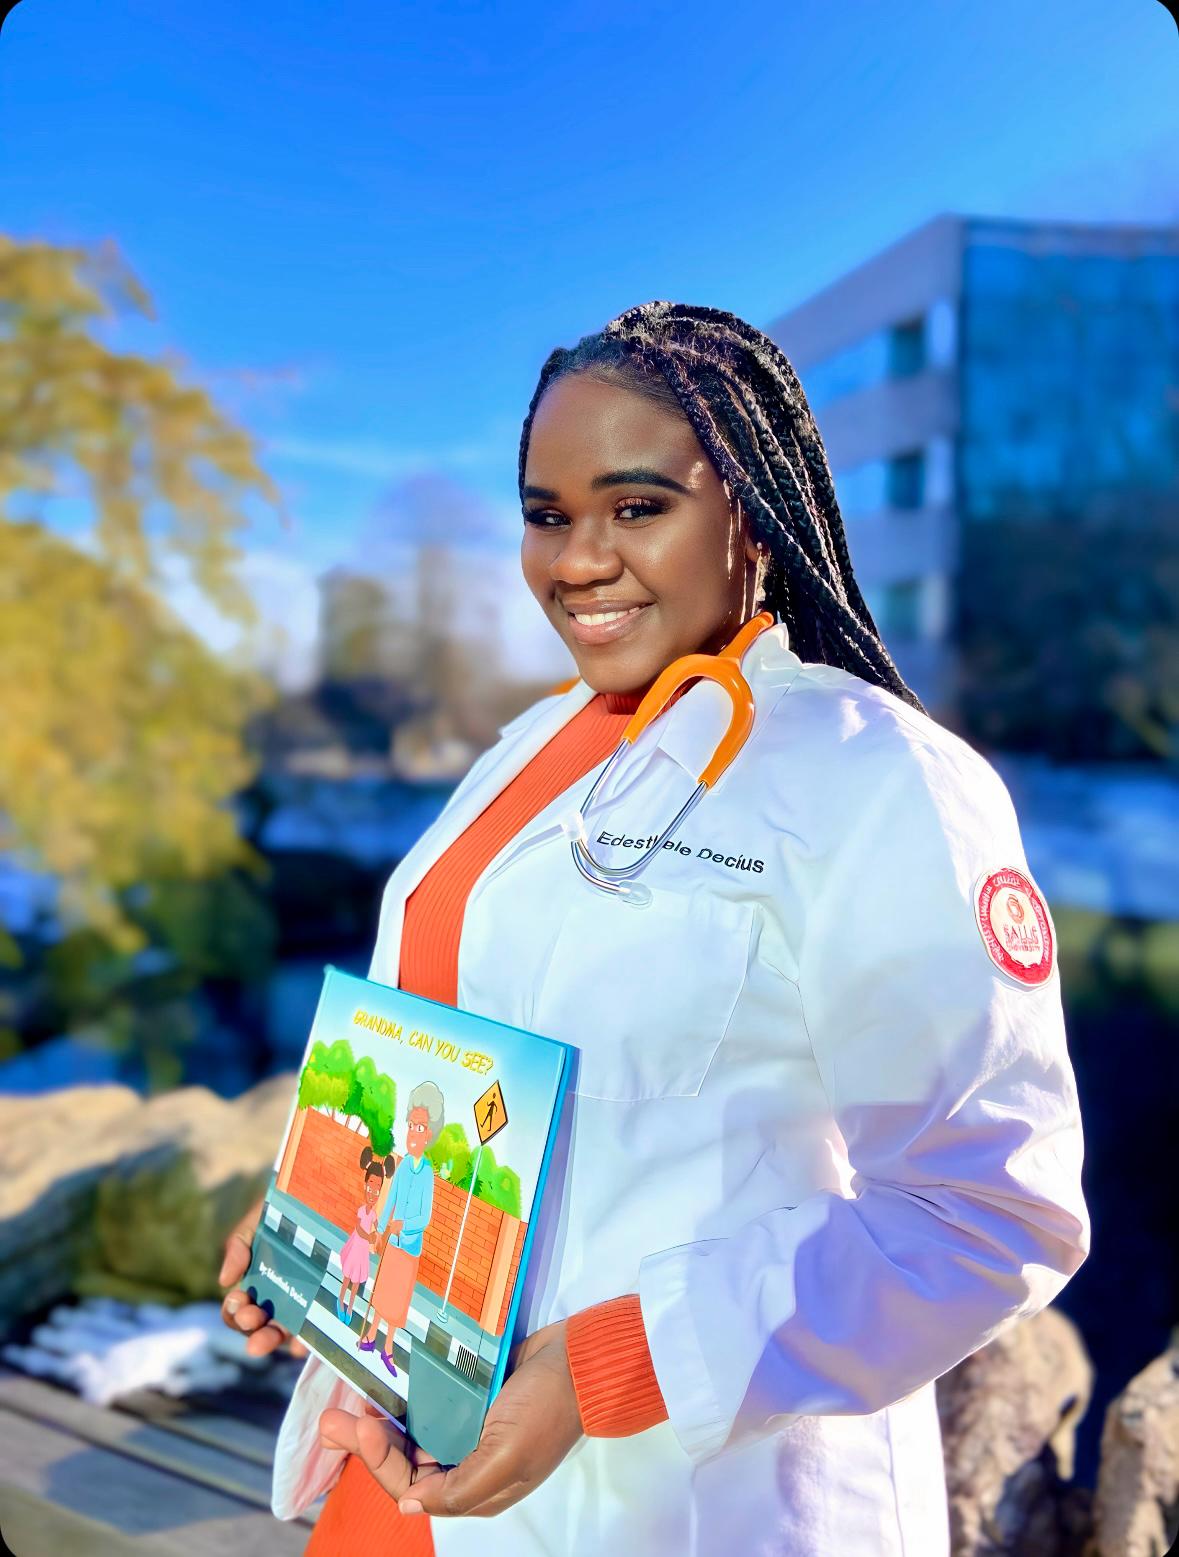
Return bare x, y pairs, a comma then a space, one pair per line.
638, 475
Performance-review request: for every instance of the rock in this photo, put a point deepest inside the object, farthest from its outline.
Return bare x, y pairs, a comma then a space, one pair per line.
1008, 1416
1136, 1510
102, 1191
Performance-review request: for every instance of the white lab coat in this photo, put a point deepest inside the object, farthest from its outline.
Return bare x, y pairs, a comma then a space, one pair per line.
830, 1144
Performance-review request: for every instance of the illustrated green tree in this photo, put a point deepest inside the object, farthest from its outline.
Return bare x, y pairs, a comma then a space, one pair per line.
122, 739
326, 1079
452, 1157
498, 1184
372, 1098
334, 1078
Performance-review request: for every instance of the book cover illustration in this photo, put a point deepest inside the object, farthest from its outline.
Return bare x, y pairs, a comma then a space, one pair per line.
396, 1229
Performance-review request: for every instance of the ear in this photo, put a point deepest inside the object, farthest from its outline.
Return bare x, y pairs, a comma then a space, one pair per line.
753, 549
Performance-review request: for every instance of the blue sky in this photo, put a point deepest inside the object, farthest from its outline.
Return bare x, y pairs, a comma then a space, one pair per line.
365, 226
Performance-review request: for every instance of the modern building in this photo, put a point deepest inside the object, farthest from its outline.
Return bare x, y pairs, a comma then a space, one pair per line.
987, 373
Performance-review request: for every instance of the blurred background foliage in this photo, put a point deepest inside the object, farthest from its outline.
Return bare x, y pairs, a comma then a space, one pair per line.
123, 738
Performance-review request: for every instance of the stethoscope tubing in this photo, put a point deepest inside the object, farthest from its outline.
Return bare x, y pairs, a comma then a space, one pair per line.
724, 670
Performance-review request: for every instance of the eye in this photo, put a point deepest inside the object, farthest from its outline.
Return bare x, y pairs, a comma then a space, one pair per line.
635, 508
630, 511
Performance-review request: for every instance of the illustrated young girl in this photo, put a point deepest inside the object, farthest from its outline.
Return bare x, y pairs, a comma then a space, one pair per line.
354, 1255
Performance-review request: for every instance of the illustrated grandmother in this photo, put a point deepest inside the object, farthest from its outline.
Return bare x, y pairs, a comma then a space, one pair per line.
405, 1217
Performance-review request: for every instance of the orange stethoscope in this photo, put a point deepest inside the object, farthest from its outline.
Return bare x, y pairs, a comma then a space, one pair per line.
725, 670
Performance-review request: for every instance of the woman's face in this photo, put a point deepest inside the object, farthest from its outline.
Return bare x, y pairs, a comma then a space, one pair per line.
417, 1131
625, 518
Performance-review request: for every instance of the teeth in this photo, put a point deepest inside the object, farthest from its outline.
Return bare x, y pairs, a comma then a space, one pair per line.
598, 617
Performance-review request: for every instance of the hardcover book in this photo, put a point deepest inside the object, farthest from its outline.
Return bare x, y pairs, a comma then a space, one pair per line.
396, 1231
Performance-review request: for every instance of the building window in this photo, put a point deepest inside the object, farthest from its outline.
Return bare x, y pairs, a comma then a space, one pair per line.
906, 348
906, 480
902, 609
862, 489
856, 367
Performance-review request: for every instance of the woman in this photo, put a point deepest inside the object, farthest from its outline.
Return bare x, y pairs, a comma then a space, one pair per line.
408, 1208
824, 1142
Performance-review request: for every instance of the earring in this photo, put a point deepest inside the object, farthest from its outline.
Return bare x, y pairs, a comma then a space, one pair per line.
759, 580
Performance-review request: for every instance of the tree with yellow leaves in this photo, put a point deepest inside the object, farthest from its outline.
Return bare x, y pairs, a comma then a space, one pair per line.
121, 741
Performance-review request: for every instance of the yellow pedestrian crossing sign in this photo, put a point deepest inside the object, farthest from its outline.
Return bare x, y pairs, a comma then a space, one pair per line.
490, 1113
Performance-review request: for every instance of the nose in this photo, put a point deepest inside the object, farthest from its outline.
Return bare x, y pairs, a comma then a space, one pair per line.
587, 554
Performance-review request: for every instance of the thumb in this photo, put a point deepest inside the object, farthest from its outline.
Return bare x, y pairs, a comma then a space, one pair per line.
381, 1447
239, 1245
236, 1261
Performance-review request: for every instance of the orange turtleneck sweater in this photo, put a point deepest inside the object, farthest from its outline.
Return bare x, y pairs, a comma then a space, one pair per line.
613, 1376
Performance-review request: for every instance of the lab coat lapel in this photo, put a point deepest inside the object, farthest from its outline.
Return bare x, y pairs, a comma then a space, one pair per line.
528, 736
687, 734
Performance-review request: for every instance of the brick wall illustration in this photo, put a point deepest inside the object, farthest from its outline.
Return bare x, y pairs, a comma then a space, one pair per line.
326, 1173
321, 1167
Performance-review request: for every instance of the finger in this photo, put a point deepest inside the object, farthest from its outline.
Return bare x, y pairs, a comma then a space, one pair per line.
299, 1348
249, 1317
234, 1305
264, 1341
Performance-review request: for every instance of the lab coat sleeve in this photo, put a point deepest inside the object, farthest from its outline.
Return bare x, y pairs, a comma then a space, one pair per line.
952, 1089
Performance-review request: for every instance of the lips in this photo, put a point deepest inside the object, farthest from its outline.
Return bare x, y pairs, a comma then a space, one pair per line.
604, 622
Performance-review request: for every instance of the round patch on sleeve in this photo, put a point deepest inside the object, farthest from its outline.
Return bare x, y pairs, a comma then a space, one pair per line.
1014, 923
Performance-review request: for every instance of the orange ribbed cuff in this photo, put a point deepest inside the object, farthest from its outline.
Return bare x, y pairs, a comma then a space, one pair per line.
613, 1375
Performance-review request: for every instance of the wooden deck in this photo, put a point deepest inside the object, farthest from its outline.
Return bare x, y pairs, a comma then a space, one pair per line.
152, 1477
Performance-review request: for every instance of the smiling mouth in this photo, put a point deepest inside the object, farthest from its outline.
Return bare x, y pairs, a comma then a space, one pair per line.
603, 626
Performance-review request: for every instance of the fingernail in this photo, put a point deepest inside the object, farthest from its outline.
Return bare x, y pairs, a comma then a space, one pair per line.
223, 1275
232, 1304
410, 1506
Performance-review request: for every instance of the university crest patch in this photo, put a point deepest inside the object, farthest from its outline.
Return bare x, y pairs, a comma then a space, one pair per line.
1015, 926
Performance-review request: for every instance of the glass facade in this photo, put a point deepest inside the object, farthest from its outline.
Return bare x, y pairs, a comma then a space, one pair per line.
1069, 383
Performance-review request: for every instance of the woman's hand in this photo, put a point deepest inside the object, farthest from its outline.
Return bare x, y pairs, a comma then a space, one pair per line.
236, 1309
531, 1426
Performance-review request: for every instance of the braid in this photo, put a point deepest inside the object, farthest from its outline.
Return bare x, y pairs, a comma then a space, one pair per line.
746, 406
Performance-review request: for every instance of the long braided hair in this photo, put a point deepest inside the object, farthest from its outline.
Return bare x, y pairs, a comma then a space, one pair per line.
748, 411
